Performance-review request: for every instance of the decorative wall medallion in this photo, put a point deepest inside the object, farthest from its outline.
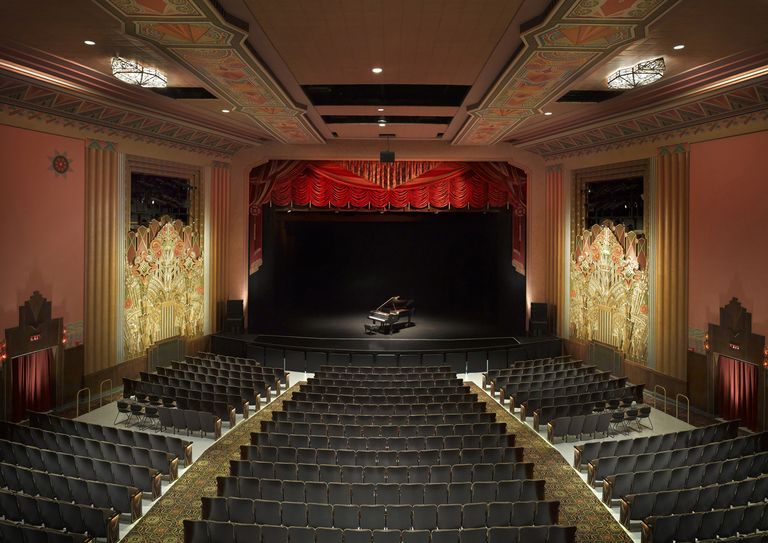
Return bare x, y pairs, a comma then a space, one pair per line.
61, 164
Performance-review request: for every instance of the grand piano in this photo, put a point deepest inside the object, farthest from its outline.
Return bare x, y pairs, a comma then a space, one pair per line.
391, 316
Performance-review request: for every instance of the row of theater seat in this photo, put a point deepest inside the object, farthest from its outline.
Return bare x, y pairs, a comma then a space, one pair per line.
205, 531
535, 363
166, 375
599, 468
585, 453
383, 444
725, 471
58, 515
535, 373
132, 387
382, 399
384, 458
15, 434
270, 375
548, 413
457, 473
718, 496
706, 525
123, 499
380, 517
146, 440
417, 389
579, 425
145, 479
383, 370
24, 533
380, 493
617, 385
420, 385
627, 395
191, 421
374, 430
438, 417
247, 393
516, 383
413, 408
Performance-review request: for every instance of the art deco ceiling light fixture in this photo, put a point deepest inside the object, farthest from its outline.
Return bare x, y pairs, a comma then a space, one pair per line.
134, 73
642, 73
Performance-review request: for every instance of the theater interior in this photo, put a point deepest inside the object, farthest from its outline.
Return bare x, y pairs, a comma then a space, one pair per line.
365, 271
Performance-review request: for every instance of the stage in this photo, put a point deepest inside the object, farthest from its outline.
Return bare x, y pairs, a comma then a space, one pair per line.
464, 344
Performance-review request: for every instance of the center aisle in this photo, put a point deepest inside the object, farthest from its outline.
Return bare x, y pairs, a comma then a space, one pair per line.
163, 523
578, 504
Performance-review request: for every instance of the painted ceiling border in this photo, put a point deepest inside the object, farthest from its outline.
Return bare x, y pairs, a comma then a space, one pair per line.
748, 98
214, 47
33, 99
574, 37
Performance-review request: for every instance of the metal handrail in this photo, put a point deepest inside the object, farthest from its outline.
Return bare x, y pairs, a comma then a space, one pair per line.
655, 396
687, 407
77, 401
101, 390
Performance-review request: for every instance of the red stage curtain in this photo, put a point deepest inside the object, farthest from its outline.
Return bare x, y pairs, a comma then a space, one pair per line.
262, 180
737, 390
32, 383
446, 185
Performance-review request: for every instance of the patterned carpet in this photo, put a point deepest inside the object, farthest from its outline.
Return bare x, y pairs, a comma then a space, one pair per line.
163, 523
578, 505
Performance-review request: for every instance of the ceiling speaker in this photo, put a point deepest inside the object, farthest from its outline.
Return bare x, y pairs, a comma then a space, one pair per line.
387, 156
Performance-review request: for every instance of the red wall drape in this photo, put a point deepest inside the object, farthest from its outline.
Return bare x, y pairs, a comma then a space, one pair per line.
32, 383
737, 390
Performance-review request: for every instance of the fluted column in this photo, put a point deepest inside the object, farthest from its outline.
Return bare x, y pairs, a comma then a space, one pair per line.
102, 261
671, 260
219, 240
555, 242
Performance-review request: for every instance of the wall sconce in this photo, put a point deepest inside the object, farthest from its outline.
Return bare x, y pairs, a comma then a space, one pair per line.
765, 357
3, 352
706, 342
64, 337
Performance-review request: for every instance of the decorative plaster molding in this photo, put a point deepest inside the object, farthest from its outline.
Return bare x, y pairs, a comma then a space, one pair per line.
574, 37
208, 44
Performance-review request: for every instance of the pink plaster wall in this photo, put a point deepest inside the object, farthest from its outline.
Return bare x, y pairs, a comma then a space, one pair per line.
728, 252
42, 225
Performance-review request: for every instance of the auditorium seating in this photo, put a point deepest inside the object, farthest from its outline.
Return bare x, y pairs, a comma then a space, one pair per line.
203, 531
508, 489
532, 405
189, 420
23, 533
690, 500
725, 471
585, 453
162, 461
706, 525
59, 515
147, 440
599, 468
349, 473
380, 454
578, 426
144, 478
123, 499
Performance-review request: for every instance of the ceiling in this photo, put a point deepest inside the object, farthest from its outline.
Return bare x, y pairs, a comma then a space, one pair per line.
466, 72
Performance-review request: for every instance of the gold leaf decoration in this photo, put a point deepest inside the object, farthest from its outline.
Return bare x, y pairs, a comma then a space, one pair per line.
163, 284
609, 289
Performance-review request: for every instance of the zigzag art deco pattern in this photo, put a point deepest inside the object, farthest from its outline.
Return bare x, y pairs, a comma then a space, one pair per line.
609, 289
163, 284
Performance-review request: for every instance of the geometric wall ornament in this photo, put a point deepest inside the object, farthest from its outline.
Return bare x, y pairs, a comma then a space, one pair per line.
201, 38
609, 289
573, 37
61, 164
164, 294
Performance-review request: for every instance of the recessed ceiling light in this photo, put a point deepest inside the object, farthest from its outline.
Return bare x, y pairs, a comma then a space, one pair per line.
678, 47
547, 113
377, 70
380, 109
382, 125
225, 111
89, 42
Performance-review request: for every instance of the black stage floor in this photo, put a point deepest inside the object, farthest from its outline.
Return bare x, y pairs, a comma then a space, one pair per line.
346, 332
